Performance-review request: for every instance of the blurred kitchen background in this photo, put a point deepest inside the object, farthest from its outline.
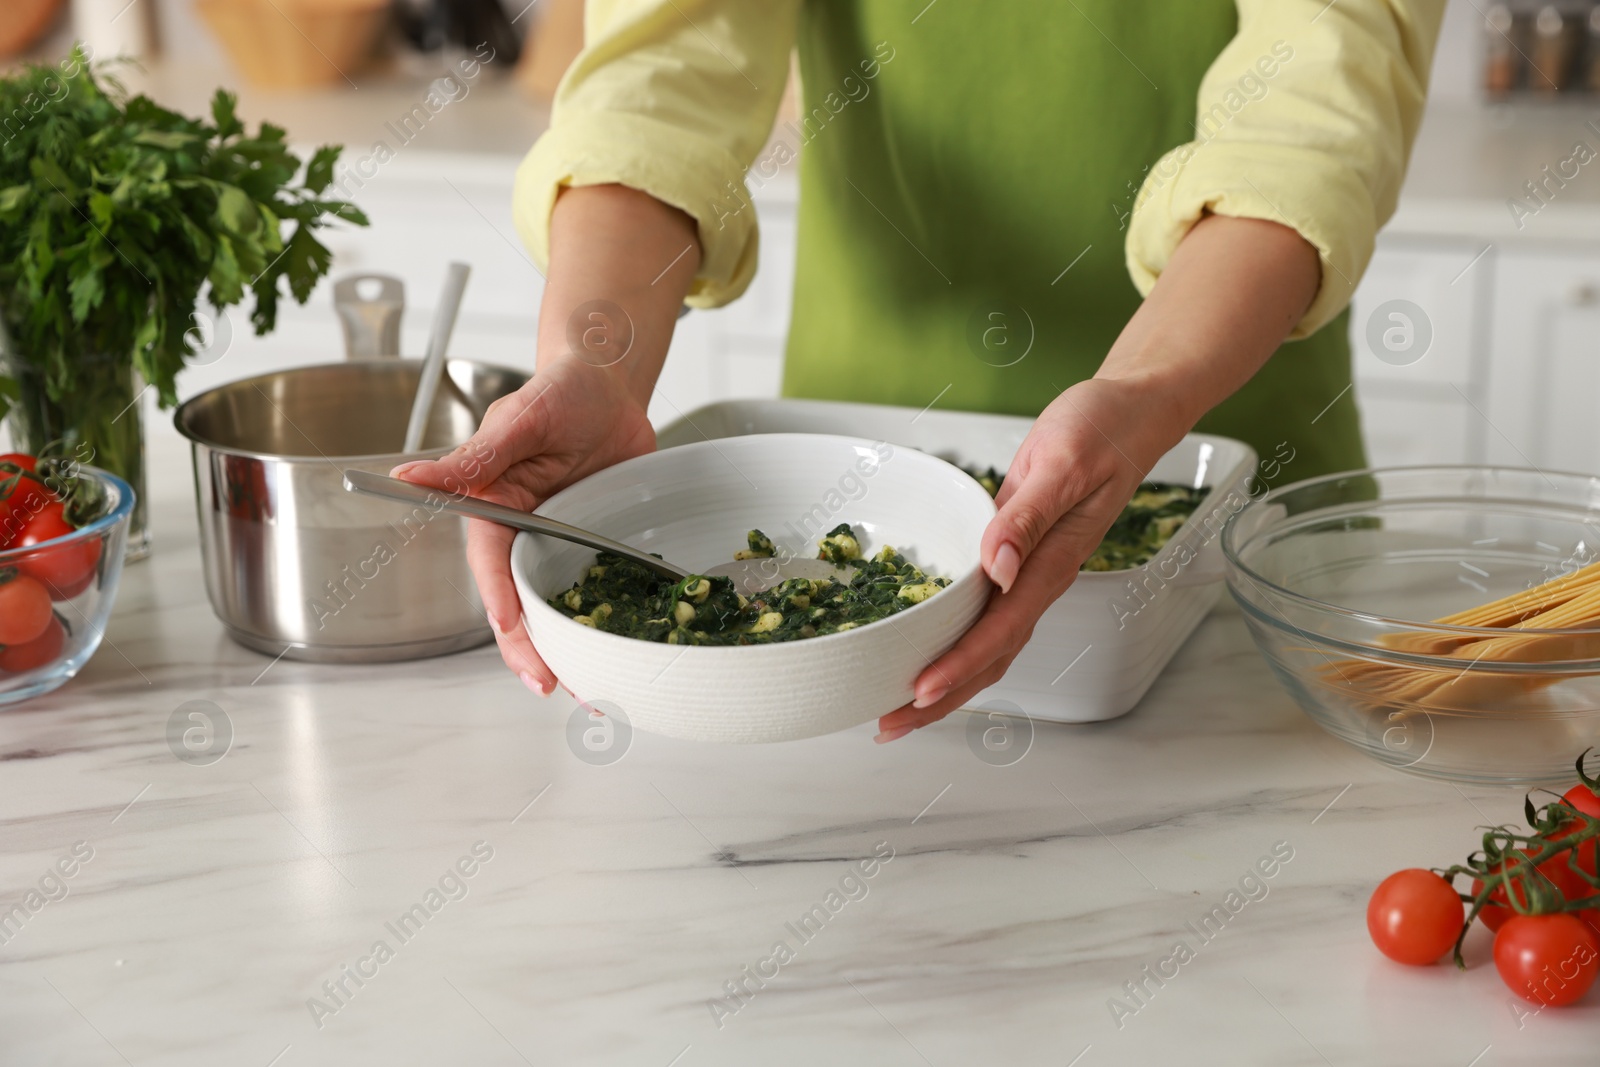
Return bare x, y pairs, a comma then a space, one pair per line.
1475, 330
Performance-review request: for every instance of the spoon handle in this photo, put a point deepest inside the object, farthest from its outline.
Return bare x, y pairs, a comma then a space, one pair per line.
437, 500
444, 323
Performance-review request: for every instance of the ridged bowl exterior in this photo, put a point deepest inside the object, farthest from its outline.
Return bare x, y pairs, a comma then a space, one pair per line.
693, 504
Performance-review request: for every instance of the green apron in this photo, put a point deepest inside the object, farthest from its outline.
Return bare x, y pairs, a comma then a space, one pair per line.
966, 182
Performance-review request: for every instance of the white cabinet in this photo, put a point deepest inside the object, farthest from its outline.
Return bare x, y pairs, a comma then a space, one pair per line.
1416, 339
1546, 359
1520, 396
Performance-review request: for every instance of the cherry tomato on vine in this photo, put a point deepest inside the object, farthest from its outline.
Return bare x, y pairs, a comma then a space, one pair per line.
44, 520
42, 650
24, 608
66, 570
1556, 869
1494, 915
19, 496
32, 515
1583, 798
1548, 959
1414, 917
31, 506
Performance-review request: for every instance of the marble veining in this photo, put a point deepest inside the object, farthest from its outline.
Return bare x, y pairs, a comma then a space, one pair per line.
226, 898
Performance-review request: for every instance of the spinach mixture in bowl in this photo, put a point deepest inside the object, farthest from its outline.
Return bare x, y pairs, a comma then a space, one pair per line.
621, 597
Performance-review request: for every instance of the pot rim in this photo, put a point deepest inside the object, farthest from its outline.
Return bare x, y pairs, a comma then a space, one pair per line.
184, 413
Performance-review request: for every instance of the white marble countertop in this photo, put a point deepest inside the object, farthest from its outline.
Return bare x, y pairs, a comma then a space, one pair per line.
619, 900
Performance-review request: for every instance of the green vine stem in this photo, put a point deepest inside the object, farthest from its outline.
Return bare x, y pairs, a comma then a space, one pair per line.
81, 499
1511, 857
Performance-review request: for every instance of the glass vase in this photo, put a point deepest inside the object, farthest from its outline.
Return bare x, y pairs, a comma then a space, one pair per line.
96, 420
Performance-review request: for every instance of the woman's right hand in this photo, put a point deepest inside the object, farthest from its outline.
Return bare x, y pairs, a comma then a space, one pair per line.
566, 423
620, 265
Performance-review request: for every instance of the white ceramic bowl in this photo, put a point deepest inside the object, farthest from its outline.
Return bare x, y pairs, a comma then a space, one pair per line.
693, 504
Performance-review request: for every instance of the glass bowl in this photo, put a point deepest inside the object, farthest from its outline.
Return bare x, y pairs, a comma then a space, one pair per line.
1337, 576
80, 572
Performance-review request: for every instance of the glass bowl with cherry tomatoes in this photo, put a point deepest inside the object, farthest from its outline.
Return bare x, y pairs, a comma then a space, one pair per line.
62, 529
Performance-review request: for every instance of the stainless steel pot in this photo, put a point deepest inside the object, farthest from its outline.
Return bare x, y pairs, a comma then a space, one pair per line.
297, 566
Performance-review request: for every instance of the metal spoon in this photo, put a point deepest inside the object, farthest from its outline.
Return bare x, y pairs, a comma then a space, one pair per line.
750, 576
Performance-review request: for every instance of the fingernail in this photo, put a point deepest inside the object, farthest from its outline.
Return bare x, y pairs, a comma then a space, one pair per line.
399, 472
893, 735
495, 623
1005, 566
931, 697
533, 683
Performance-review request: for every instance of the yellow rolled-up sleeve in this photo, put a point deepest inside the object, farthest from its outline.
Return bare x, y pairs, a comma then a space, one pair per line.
673, 98
1307, 119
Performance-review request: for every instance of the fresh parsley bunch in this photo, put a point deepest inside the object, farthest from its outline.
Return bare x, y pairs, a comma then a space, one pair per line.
115, 212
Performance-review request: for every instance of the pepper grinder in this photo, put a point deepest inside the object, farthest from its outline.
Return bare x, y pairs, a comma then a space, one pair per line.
112, 28
1500, 52
1553, 50
1594, 50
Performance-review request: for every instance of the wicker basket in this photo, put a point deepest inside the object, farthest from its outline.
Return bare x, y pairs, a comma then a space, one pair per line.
296, 44
24, 22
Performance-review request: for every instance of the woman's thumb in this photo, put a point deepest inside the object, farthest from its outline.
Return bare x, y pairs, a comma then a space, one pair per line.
470, 467
1027, 512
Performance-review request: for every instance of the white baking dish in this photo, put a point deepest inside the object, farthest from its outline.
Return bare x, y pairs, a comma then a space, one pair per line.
1099, 648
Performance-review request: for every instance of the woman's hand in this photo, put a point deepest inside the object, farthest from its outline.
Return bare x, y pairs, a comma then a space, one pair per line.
620, 265
1082, 461
565, 424
1230, 294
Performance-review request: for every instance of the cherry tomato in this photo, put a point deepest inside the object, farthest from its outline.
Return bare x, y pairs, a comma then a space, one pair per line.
31, 515
1556, 869
1548, 959
66, 570
24, 608
43, 519
31, 506
14, 491
1414, 917
42, 650
1494, 915
1582, 797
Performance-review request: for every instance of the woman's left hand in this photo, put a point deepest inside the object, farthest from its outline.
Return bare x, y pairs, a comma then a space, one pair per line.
1229, 295
1076, 470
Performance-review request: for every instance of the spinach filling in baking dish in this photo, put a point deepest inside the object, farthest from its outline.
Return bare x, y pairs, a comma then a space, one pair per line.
1143, 529
622, 597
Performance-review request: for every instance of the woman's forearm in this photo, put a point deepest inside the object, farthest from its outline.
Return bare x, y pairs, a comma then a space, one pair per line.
1230, 294
614, 247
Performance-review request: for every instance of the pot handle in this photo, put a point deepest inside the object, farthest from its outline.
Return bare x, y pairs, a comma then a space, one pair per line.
371, 325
